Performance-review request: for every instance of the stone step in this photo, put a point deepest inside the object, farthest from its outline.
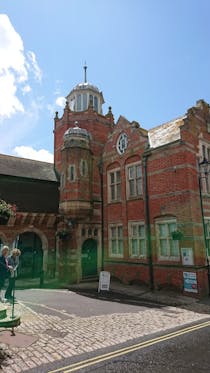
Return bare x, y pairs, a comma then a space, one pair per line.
10, 322
3, 311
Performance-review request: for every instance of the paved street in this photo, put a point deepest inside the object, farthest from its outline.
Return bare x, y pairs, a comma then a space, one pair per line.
58, 324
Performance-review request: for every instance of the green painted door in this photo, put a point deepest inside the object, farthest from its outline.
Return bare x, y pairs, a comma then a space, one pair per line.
31, 259
89, 258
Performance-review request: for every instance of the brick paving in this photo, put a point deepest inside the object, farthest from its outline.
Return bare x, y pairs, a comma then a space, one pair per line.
53, 338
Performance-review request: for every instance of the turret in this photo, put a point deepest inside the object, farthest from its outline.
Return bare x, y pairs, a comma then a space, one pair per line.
76, 173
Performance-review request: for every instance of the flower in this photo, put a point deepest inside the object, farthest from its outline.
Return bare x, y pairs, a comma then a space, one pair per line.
7, 209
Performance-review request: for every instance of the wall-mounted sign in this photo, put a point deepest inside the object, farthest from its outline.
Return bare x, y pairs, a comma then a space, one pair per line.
190, 282
187, 256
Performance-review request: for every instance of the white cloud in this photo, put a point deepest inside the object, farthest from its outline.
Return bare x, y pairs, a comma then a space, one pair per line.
60, 101
15, 67
33, 65
30, 153
9, 102
11, 50
26, 89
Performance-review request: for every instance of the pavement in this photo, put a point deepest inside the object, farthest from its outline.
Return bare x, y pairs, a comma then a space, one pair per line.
47, 338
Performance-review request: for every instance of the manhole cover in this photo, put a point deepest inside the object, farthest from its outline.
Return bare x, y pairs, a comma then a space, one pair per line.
56, 333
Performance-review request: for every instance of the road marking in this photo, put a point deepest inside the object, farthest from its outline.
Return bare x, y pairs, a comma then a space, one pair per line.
63, 312
110, 355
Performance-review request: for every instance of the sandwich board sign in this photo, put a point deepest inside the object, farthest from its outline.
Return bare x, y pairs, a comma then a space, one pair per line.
104, 281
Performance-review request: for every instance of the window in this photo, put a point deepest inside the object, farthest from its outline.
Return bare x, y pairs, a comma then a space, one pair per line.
116, 241
84, 99
114, 186
168, 248
91, 100
72, 173
83, 167
137, 240
134, 180
95, 105
62, 180
207, 233
79, 103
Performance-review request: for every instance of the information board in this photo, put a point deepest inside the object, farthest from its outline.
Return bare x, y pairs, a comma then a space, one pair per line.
190, 282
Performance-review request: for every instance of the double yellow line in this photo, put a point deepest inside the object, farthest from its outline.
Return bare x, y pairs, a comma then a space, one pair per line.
98, 359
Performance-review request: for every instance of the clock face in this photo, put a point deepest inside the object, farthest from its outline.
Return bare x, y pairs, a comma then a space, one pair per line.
122, 143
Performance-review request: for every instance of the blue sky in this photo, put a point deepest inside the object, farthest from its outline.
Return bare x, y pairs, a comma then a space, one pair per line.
150, 58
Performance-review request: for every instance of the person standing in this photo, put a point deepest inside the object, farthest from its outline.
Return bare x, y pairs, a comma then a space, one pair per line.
13, 262
4, 268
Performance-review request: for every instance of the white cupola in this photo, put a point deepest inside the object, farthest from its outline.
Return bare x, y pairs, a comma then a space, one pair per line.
85, 95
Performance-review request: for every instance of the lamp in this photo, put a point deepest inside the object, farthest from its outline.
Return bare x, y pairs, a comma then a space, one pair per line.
204, 172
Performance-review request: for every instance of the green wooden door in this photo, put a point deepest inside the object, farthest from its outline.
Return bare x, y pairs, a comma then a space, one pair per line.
89, 258
31, 259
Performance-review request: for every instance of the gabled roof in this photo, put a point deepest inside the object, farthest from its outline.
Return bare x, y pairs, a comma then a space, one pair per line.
26, 168
165, 133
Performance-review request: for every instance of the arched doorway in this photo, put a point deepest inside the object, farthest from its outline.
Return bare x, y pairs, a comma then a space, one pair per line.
31, 259
89, 258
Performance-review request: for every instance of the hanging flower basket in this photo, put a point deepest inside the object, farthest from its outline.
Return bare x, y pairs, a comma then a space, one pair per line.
6, 210
177, 235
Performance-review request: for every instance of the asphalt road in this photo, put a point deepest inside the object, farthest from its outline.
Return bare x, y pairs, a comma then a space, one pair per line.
187, 353
59, 302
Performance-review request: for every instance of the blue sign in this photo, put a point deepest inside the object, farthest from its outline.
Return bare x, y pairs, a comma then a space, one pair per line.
190, 282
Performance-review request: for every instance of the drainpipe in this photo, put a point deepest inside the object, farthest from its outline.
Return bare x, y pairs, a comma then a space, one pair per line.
147, 221
100, 167
204, 232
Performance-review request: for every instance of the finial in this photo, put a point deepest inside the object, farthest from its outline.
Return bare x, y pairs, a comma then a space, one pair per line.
85, 69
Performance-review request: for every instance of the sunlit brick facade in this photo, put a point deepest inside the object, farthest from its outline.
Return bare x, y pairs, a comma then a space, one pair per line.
128, 199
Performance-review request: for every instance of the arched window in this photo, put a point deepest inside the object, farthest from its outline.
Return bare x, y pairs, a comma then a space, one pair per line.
84, 99
72, 173
91, 100
62, 180
83, 167
79, 107
95, 104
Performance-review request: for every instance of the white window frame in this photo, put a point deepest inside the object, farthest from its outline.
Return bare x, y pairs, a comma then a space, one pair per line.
135, 179
118, 239
116, 186
135, 235
168, 240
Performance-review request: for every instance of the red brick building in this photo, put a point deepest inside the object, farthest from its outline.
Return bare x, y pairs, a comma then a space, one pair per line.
128, 199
